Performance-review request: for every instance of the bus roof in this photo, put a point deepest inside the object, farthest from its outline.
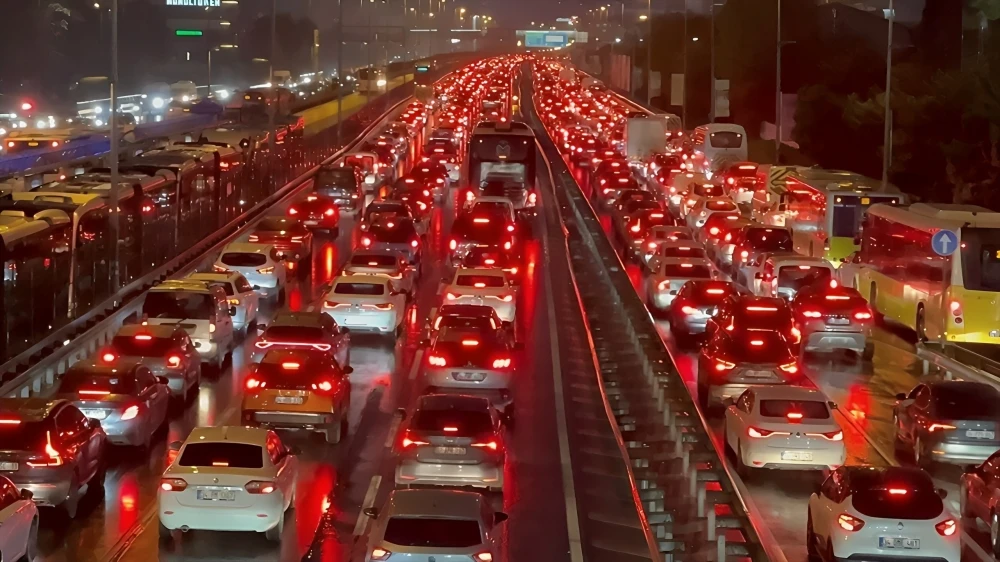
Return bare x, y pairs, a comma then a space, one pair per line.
839, 181
15, 224
509, 128
938, 216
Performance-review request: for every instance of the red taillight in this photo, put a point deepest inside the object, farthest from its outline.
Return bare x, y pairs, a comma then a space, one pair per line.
325, 386
939, 427
173, 484
812, 314
260, 487
437, 361
414, 243
491, 444
380, 554
689, 310
451, 296
790, 367
52, 455
254, 383
501, 363
722, 366
794, 417
366, 241
293, 211
849, 522
714, 231
130, 413
862, 315
108, 357
410, 439
174, 361
946, 528
329, 212
830, 435
453, 244
758, 433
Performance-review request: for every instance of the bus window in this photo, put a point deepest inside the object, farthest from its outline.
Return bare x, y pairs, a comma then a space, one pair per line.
981, 259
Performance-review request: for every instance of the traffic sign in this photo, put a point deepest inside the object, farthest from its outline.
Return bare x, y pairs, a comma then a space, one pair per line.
189, 33
944, 242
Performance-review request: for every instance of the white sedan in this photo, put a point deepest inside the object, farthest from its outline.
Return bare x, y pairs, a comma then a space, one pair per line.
228, 478
18, 522
366, 302
489, 287
876, 513
783, 427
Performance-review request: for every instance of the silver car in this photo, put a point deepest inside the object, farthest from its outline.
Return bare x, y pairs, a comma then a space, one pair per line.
129, 401
668, 275
393, 234
165, 349
420, 525
471, 361
831, 318
451, 440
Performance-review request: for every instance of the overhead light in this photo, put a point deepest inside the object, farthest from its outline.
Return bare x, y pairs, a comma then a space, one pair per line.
455, 40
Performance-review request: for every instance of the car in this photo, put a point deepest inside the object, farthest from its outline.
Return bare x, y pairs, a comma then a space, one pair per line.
451, 440
125, 396
834, 317
395, 234
260, 264
434, 176
743, 311
489, 287
475, 361
668, 275
679, 249
306, 330
378, 210
241, 295
19, 521
488, 257
465, 316
470, 230
979, 497
419, 200
696, 302
784, 276
751, 273
949, 421
451, 163
228, 478
392, 265
883, 513
47, 446
636, 226
201, 309
317, 212
343, 182
366, 303
165, 349
741, 181
441, 524
663, 234
610, 184
298, 389
784, 428
732, 361
708, 206
289, 236
713, 232
750, 241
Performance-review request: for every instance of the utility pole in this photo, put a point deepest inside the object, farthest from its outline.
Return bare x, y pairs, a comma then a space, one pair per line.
340, 67
209, 92
649, 53
684, 77
711, 38
274, 39
887, 131
113, 164
777, 92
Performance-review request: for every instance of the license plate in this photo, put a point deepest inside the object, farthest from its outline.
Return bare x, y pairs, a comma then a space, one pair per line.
288, 400
310, 223
449, 450
796, 456
900, 543
838, 321
758, 374
32, 144
95, 414
9, 466
468, 376
217, 495
980, 433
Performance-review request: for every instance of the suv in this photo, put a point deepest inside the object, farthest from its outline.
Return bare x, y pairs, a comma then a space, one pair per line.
201, 309
307, 330
343, 184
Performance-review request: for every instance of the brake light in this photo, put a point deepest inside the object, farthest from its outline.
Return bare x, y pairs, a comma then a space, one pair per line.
219, 269
130, 413
946, 528
266, 270
253, 383
173, 484
939, 427
758, 433
829, 436
790, 367
850, 523
757, 343
254, 238
174, 361
329, 212
451, 296
481, 220
812, 314
794, 417
93, 393
491, 445
380, 554
108, 357
366, 241
502, 363
260, 487
714, 231
635, 228
437, 361
714, 291
453, 244
290, 366
411, 440
506, 245
689, 310
325, 386
796, 334
52, 458
863, 315
293, 211
722, 366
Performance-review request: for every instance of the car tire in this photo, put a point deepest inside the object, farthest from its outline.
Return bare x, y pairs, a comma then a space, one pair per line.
742, 469
812, 553
335, 431
274, 533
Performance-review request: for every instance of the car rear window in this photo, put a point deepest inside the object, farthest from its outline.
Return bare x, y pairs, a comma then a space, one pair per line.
294, 333
707, 190
760, 346
74, 382
336, 177
720, 205
798, 276
373, 261
239, 259
24, 436
179, 305
769, 239
895, 495
233, 455
142, 345
686, 270
279, 224
479, 281
966, 401
429, 532
364, 289
765, 317
468, 422
809, 409
683, 252
393, 232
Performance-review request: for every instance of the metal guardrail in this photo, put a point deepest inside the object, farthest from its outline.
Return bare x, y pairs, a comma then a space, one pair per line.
88, 333
958, 361
687, 496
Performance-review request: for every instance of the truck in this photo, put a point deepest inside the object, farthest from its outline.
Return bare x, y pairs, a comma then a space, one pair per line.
644, 137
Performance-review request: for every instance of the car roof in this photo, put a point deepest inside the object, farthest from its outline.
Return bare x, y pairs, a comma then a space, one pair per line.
480, 271
248, 248
232, 433
362, 278
190, 285
29, 409
155, 330
693, 261
217, 277
786, 392
299, 318
457, 504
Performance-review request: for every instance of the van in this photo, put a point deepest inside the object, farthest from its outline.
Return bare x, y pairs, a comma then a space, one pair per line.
201, 309
716, 145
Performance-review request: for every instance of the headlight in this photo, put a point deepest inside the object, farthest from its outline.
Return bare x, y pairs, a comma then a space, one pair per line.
158, 103
98, 110
185, 99
380, 83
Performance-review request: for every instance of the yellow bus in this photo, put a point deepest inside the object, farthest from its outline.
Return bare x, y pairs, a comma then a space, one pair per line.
947, 293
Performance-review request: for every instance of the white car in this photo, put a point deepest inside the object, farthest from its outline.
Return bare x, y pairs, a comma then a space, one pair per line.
439, 524
704, 208
393, 265
366, 302
240, 295
875, 513
228, 478
18, 523
668, 275
259, 263
783, 427
783, 275
488, 287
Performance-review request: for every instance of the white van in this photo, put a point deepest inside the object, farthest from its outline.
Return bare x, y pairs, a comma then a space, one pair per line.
716, 145
201, 309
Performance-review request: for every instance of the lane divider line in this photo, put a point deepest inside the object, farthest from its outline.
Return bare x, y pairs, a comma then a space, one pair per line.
415, 366
393, 429
359, 527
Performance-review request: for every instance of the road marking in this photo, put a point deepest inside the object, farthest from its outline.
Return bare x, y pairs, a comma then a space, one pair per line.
415, 366
393, 428
359, 527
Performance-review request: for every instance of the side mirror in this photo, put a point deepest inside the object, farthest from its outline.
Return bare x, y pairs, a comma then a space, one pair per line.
371, 512
832, 405
27, 494
942, 493
901, 396
175, 446
256, 287
94, 424
348, 370
499, 517
728, 401
232, 311
401, 412
345, 331
162, 379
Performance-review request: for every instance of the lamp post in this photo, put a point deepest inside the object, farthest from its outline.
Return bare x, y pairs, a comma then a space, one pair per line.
649, 53
887, 130
340, 66
113, 164
777, 92
218, 48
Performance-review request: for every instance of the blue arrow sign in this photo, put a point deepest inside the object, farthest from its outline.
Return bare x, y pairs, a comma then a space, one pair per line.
944, 242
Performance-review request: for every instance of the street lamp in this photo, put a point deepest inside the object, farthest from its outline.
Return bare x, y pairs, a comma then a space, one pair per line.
218, 48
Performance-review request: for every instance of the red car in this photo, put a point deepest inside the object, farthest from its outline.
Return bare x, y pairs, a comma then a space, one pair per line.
317, 212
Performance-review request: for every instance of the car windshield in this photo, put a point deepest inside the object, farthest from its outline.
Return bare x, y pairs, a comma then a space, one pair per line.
480, 281
795, 409
362, 289
240, 259
671, 235
336, 177
798, 276
770, 239
895, 494
966, 401
686, 270
142, 345
373, 260
430, 532
232, 455
23, 436
75, 381
180, 305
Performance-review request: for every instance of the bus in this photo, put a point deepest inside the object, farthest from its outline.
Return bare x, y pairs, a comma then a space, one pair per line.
824, 209
504, 152
371, 80
946, 298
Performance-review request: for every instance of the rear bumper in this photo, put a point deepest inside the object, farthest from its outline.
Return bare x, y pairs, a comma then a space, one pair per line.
412, 472
829, 341
46, 493
828, 457
312, 421
960, 453
259, 517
